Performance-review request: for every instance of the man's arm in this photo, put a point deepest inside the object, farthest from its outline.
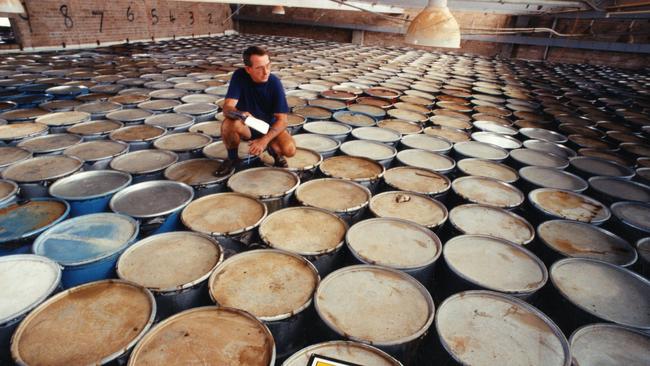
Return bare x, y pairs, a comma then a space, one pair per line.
259, 145
230, 105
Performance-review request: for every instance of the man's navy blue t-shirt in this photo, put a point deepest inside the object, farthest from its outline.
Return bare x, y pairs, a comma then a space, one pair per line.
262, 100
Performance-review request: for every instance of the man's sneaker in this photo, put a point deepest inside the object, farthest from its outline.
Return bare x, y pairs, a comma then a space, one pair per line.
280, 162
226, 166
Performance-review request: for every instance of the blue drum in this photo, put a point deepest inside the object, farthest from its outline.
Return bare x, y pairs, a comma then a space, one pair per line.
87, 246
22, 221
90, 192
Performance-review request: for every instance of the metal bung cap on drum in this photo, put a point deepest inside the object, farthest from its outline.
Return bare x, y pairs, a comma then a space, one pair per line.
180, 142
582, 240
591, 166
88, 238
27, 280
151, 199
538, 158
425, 142
488, 168
374, 305
196, 172
171, 261
95, 128
63, 118
378, 134
418, 180
224, 214
495, 264
17, 131
591, 284
214, 335
477, 219
49, 143
552, 178
599, 344
270, 284
170, 120
409, 206
276, 182
10, 155
144, 161
569, 205
217, 150
368, 149
488, 191
303, 230
74, 314
620, 189
42, 168
480, 150
96, 150
336, 195
426, 160
354, 352
488, 328
393, 243
353, 168
27, 218
89, 185
304, 159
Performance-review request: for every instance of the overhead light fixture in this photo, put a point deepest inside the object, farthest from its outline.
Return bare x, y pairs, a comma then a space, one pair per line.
434, 26
11, 6
278, 10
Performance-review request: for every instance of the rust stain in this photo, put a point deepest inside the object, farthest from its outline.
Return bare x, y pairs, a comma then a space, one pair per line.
529, 319
459, 344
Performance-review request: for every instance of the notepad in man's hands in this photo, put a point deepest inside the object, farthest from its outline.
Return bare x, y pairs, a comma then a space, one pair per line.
250, 121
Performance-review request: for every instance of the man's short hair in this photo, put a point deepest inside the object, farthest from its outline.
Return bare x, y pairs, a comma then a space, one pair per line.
253, 50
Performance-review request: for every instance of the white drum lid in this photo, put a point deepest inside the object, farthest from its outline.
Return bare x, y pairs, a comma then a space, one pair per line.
418, 180
196, 109
144, 161
11, 155
137, 133
393, 243
487, 191
196, 172
578, 239
538, 158
620, 188
27, 280
495, 264
210, 128
600, 167
604, 290
90, 184
17, 131
409, 206
264, 182
49, 143
486, 328
607, 344
303, 230
476, 219
375, 305
368, 149
569, 205
480, 150
214, 335
401, 126
223, 214
379, 134
97, 127
320, 143
169, 120
270, 284
42, 168
426, 142
552, 178
170, 261
217, 150
426, 160
63, 118
79, 317
487, 168
129, 115
635, 214
327, 128
304, 159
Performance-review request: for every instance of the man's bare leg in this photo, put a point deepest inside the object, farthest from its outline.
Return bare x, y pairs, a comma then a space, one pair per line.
282, 146
232, 132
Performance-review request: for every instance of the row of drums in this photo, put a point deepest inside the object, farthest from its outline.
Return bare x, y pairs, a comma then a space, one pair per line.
347, 243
